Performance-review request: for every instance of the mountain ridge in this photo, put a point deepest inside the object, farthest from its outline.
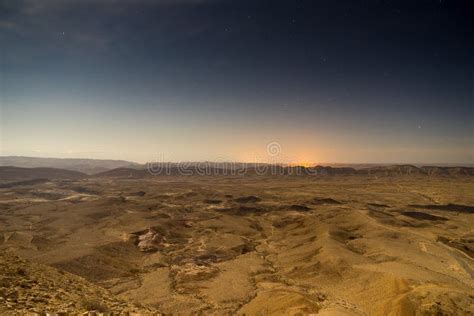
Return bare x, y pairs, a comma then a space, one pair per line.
88, 166
174, 169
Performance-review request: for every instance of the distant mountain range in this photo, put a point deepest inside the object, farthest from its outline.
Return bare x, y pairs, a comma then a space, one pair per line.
87, 166
23, 175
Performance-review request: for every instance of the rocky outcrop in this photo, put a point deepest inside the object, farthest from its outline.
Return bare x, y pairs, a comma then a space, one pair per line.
149, 240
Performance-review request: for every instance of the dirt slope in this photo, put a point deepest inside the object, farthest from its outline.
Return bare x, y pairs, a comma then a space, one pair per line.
27, 288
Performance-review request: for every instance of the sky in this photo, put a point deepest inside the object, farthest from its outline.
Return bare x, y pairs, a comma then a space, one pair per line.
221, 80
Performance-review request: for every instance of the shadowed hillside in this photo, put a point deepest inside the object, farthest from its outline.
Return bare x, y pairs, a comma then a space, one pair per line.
15, 173
89, 166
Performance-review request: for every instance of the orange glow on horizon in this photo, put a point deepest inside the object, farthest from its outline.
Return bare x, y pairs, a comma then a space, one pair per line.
302, 164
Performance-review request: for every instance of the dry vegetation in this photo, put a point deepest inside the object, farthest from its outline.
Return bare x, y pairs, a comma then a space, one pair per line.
335, 245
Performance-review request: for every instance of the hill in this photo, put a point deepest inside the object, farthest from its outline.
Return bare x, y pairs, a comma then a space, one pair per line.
88, 166
278, 170
128, 173
392, 170
34, 288
15, 173
395, 170
446, 171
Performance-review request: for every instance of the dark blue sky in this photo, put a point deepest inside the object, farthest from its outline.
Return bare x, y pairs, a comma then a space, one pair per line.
331, 81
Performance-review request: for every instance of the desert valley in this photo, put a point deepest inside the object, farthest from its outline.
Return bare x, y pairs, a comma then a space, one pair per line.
392, 241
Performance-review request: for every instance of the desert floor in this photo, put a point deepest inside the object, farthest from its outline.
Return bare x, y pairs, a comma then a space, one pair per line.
341, 245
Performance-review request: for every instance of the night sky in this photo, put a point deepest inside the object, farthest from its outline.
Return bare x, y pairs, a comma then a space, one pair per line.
330, 81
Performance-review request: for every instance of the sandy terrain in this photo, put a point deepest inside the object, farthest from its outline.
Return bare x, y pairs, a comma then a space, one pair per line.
340, 245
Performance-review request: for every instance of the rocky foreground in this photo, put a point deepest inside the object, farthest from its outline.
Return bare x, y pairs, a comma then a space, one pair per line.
27, 288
